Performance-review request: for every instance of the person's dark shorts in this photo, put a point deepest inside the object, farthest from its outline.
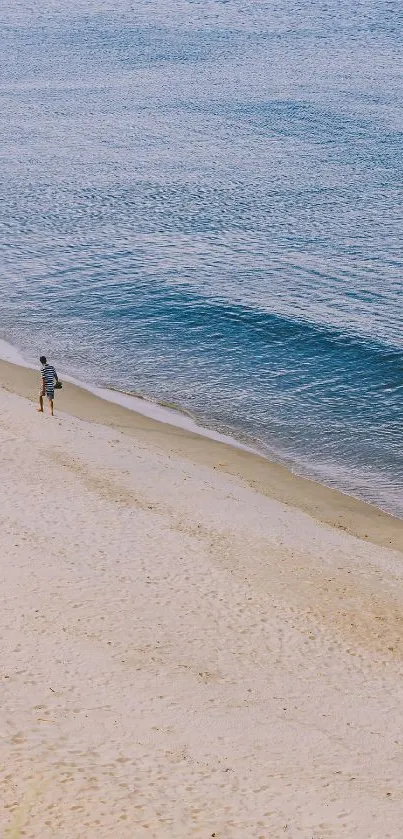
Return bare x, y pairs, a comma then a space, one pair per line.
50, 392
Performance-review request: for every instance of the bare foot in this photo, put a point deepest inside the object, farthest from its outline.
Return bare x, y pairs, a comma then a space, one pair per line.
40, 410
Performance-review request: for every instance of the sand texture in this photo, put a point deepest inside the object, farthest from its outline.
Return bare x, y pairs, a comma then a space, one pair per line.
183, 655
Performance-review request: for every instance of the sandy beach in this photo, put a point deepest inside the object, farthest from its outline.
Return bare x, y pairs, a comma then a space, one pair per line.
195, 642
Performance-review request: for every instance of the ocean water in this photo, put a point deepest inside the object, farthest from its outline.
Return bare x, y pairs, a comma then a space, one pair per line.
201, 202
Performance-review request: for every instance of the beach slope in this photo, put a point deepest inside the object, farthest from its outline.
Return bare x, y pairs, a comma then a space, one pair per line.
183, 653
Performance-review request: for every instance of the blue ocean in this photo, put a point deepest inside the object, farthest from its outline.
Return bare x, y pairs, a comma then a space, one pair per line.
201, 203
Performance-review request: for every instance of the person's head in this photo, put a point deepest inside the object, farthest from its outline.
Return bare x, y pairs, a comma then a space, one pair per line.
43, 359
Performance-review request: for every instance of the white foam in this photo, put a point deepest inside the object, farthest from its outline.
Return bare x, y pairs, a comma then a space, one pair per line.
158, 412
168, 416
10, 353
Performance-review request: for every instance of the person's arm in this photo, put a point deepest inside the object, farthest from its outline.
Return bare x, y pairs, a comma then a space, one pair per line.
43, 391
56, 376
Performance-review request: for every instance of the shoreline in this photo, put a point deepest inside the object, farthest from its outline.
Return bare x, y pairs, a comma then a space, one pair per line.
162, 412
177, 416
329, 506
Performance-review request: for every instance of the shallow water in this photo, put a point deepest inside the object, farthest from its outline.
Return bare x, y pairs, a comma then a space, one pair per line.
201, 202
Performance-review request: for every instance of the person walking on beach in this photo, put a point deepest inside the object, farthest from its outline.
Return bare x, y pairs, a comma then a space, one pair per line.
49, 377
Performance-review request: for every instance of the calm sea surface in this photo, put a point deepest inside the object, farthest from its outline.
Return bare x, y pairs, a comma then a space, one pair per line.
202, 202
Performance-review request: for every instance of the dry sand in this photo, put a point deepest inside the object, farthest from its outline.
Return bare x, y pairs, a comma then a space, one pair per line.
189, 646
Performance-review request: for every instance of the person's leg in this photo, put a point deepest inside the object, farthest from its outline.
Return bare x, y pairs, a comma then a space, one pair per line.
51, 406
40, 409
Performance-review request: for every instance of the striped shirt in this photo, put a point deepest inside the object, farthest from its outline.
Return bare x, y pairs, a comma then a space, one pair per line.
49, 375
